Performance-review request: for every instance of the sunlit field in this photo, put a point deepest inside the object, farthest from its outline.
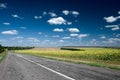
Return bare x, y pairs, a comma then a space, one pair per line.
101, 55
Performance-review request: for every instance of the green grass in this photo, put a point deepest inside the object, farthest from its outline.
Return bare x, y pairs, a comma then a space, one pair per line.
2, 56
103, 57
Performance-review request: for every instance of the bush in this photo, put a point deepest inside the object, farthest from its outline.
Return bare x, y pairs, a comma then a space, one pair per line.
72, 49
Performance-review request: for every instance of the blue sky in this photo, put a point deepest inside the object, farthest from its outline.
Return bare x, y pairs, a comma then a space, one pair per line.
52, 23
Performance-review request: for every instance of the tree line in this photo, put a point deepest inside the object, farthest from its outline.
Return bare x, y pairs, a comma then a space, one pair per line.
1, 49
4, 48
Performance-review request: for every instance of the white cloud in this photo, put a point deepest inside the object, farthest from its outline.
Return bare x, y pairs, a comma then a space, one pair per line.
56, 36
73, 35
6, 23
113, 27
118, 35
118, 12
112, 40
16, 16
66, 37
47, 40
61, 40
111, 19
23, 27
65, 12
57, 21
102, 37
69, 23
37, 17
44, 13
52, 14
72, 30
18, 37
2, 41
11, 32
20, 41
75, 13
94, 41
32, 39
58, 30
40, 33
82, 35
3, 5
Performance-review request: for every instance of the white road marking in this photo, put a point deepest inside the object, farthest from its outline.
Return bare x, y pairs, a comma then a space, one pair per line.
47, 68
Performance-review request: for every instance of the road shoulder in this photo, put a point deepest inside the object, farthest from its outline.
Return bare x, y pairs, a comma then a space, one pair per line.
2, 64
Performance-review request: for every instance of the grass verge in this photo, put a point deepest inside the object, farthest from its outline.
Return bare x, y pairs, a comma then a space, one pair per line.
91, 63
2, 55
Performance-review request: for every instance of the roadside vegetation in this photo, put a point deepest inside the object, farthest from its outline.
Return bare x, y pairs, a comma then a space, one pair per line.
2, 56
2, 53
5, 49
106, 57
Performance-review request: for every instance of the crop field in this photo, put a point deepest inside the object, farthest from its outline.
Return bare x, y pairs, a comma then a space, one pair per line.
86, 55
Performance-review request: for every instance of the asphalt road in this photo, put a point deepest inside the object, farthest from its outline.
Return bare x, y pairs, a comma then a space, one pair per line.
25, 67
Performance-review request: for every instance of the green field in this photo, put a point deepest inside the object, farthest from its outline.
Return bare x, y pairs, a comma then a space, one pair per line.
106, 57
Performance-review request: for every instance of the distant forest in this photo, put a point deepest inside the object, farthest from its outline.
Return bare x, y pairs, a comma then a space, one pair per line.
4, 48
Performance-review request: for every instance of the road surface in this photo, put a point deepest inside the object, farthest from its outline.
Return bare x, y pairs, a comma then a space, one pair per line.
26, 67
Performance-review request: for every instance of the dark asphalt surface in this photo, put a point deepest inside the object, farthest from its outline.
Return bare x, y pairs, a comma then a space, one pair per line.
26, 67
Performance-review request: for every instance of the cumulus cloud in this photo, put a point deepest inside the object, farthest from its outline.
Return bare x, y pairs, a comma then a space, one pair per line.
73, 35
58, 30
111, 19
23, 27
2, 41
113, 27
47, 40
11, 32
82, 35
56, 36
102, 37
117, 35
72, 30
118, 12
69, 23
6, 23
37, 17
18, 37
57, 21
32, 39
112, 40
61, 40
75, 13
3, 5
65, 12
52, 14
20, 41
94, 41
16, 16
44, 13
66, 37
40, 33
